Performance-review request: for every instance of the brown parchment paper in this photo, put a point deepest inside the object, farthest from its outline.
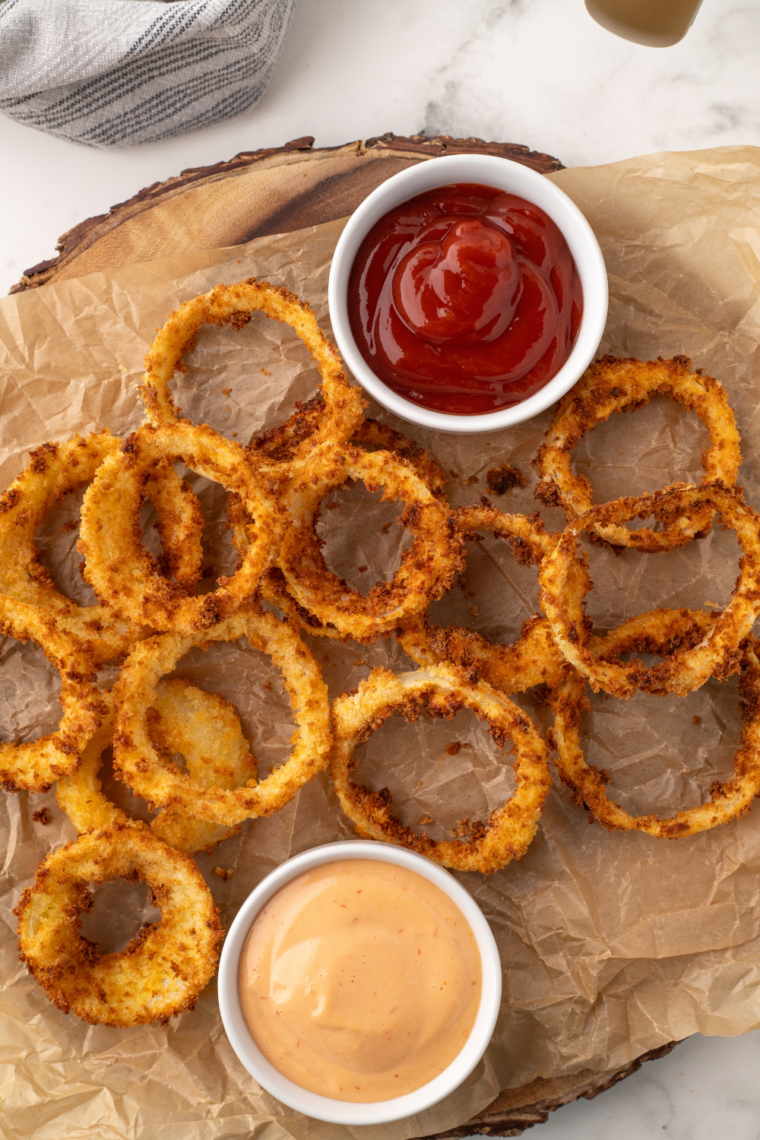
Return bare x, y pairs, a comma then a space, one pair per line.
611, 944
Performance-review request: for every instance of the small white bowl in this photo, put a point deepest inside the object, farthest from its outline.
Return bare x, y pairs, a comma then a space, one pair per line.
322, 1107
505, 175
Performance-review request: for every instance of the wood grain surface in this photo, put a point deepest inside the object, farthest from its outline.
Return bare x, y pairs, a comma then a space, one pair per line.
276, 191
252, 195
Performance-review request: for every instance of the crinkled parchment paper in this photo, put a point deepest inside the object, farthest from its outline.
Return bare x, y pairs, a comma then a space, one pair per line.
611, 944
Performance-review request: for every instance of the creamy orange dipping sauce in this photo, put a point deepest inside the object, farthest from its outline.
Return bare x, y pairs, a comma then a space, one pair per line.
360, 980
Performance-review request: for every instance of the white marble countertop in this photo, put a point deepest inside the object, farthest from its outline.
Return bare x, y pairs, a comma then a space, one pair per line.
539, 72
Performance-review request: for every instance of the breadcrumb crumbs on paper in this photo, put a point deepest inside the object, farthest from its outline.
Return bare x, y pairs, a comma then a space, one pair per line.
42, 815
222, 874
503, 478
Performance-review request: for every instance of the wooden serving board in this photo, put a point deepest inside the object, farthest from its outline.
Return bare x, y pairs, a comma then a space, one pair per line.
275, 191
254, 194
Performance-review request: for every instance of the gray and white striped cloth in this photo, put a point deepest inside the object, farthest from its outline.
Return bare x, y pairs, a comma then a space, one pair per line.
118, 72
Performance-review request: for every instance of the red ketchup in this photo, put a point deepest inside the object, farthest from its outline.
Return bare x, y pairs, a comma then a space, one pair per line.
465, 299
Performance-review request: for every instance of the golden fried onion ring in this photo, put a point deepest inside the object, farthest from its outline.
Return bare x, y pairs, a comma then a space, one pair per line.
441, 692
54, 470
656, 634
163, 969
204, 729
534, 658
565, 581
427, 568
371, 433
234, 305
135, 755
35, 766
117, 565
281, 442
614, 385
79, 794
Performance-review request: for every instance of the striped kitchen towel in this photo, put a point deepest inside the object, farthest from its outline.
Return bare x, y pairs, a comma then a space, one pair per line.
118, 72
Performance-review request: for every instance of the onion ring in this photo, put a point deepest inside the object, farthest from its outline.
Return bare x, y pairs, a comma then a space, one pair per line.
534, 658
139, 763
441, 692
117, 565
36, 766
56, 469
205, 730
79, 794
281, 442
373, 433
427, 568
179, 525
163, 969
202, 727
614, 385
565, 581
728, 800
278, 443
234, 305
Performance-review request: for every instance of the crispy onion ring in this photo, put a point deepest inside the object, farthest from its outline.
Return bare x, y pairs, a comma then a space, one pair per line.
234, 305
374, 434
427, 568
656, 634
117, 565
79, 794
441, 692
135, 755
534, 658
565, 582
614, 385
56, 469
281, 442
179, 524
163, 969
204, 729
35, 766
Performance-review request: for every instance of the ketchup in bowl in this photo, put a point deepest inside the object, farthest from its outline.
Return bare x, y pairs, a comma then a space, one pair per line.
465, 299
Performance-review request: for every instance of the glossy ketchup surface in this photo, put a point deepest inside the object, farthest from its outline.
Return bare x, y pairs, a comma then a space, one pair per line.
465, 299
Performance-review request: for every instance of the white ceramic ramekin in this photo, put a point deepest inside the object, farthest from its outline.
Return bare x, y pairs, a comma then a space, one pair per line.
325, 1108
515, 179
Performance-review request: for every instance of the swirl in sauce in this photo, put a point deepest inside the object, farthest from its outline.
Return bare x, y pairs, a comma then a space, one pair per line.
360, 980
465, 299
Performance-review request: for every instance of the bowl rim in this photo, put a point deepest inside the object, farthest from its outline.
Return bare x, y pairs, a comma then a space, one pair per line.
326, 1108
514, 178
